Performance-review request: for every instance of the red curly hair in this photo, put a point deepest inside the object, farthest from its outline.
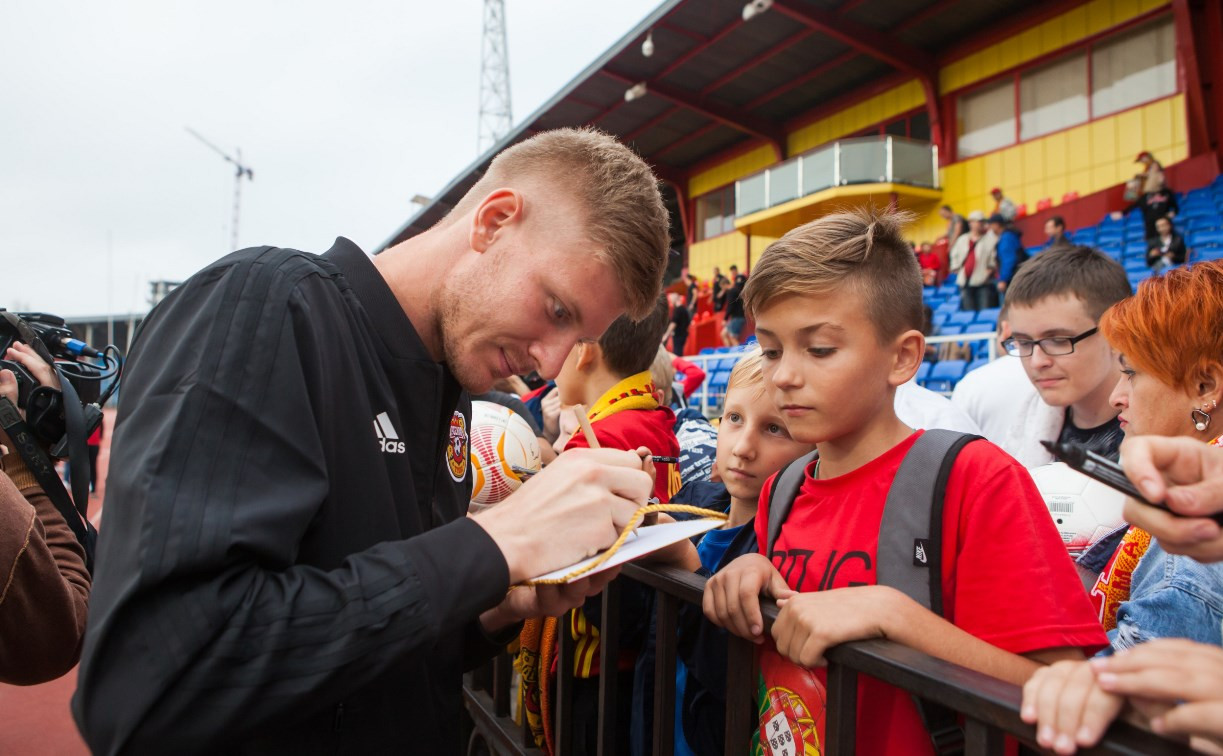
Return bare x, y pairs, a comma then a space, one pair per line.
1172, 328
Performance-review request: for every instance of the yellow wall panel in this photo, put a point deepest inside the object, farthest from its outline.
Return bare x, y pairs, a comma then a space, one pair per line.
1078, 148
759, 244
1074, 24
732, 170
1054, 154
1131, 138
1084, 159
721, 251
881, 107
1050, 36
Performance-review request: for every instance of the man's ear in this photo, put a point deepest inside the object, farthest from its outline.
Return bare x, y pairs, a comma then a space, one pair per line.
500, 209
910, 351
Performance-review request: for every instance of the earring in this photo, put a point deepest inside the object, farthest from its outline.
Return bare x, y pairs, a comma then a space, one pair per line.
1200, 417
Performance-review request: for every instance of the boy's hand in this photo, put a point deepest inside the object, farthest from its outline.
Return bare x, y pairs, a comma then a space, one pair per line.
1068, 706
810, 623
732, 596
1181, 672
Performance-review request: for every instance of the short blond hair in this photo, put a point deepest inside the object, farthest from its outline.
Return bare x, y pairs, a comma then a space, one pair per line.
662, 372
623, 211
863, 248
748, 371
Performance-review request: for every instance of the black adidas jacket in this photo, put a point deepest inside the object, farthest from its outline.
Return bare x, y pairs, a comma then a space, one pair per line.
275, 575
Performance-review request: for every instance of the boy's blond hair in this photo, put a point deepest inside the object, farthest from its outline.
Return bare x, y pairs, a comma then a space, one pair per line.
662, 372
861, 248
622, 208
748, 371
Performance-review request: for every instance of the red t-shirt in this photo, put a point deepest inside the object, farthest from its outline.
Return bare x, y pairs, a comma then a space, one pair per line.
1007, 578
629, 429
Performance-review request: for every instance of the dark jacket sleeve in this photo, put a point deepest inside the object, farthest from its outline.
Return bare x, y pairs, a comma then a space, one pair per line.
44, 595
204, 622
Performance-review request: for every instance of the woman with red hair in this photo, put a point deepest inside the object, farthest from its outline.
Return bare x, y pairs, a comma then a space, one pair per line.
1170, 341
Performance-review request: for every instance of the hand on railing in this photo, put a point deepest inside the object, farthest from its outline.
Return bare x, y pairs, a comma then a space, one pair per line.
732, 596
1173, 686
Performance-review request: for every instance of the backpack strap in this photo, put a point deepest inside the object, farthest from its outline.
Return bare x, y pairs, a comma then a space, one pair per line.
782, 495
910, 553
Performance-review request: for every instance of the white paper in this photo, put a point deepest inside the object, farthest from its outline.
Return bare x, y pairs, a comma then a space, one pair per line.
638, 544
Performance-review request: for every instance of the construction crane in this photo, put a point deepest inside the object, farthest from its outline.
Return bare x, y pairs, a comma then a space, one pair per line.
242, 171
496, 115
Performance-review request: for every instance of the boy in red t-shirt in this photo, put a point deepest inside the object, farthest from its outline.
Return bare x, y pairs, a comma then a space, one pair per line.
838, 304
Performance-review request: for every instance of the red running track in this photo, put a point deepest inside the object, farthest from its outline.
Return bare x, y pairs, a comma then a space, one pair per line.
36, 719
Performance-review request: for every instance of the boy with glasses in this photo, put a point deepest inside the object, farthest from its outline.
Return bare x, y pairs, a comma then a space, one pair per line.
1054, 306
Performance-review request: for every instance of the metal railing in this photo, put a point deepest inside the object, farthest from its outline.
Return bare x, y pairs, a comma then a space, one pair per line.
989, 707
864, 160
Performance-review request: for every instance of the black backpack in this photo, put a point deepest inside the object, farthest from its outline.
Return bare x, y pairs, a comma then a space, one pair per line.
910, 553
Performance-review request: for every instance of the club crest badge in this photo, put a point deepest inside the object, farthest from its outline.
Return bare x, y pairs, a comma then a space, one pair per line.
456, 448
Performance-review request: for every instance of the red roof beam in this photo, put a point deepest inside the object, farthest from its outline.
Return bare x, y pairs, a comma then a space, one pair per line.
875, 44
739, 70
643, 128
736, 118
798, 81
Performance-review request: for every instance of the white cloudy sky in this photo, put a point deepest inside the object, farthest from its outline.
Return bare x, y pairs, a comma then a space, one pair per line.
343, 110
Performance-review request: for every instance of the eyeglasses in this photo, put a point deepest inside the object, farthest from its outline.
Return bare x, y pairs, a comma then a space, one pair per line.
1052, 346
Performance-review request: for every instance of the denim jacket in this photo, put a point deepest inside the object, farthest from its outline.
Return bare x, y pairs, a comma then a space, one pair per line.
1171, 596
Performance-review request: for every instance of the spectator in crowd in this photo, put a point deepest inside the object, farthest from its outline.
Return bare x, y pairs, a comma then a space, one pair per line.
1053, 307
689, 374
974, 260
694, 290
1153, 177
732, 330
1157, 204
956, 225
44, 591
1003, 205
1055, 233
677, 328
1171, 358
718, 286
838, 304
931, 265
993, 395
1010, 251
1166, 248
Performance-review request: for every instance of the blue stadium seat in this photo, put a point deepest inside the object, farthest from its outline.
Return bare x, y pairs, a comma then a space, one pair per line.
988, 315
706, 350
951, 329
1085, 236
923, 372
1136, 278
963, 317
949, 288
1207, 239
1109, 237
945, 375
950, 306
727, 363
982, 362
939, 318
979, 328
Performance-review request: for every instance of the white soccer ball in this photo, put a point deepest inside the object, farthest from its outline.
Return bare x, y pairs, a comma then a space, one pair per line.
500, 441
1083, 509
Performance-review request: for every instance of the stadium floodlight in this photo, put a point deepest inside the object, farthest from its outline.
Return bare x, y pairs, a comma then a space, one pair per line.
636, 91
755, 8
647, 47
